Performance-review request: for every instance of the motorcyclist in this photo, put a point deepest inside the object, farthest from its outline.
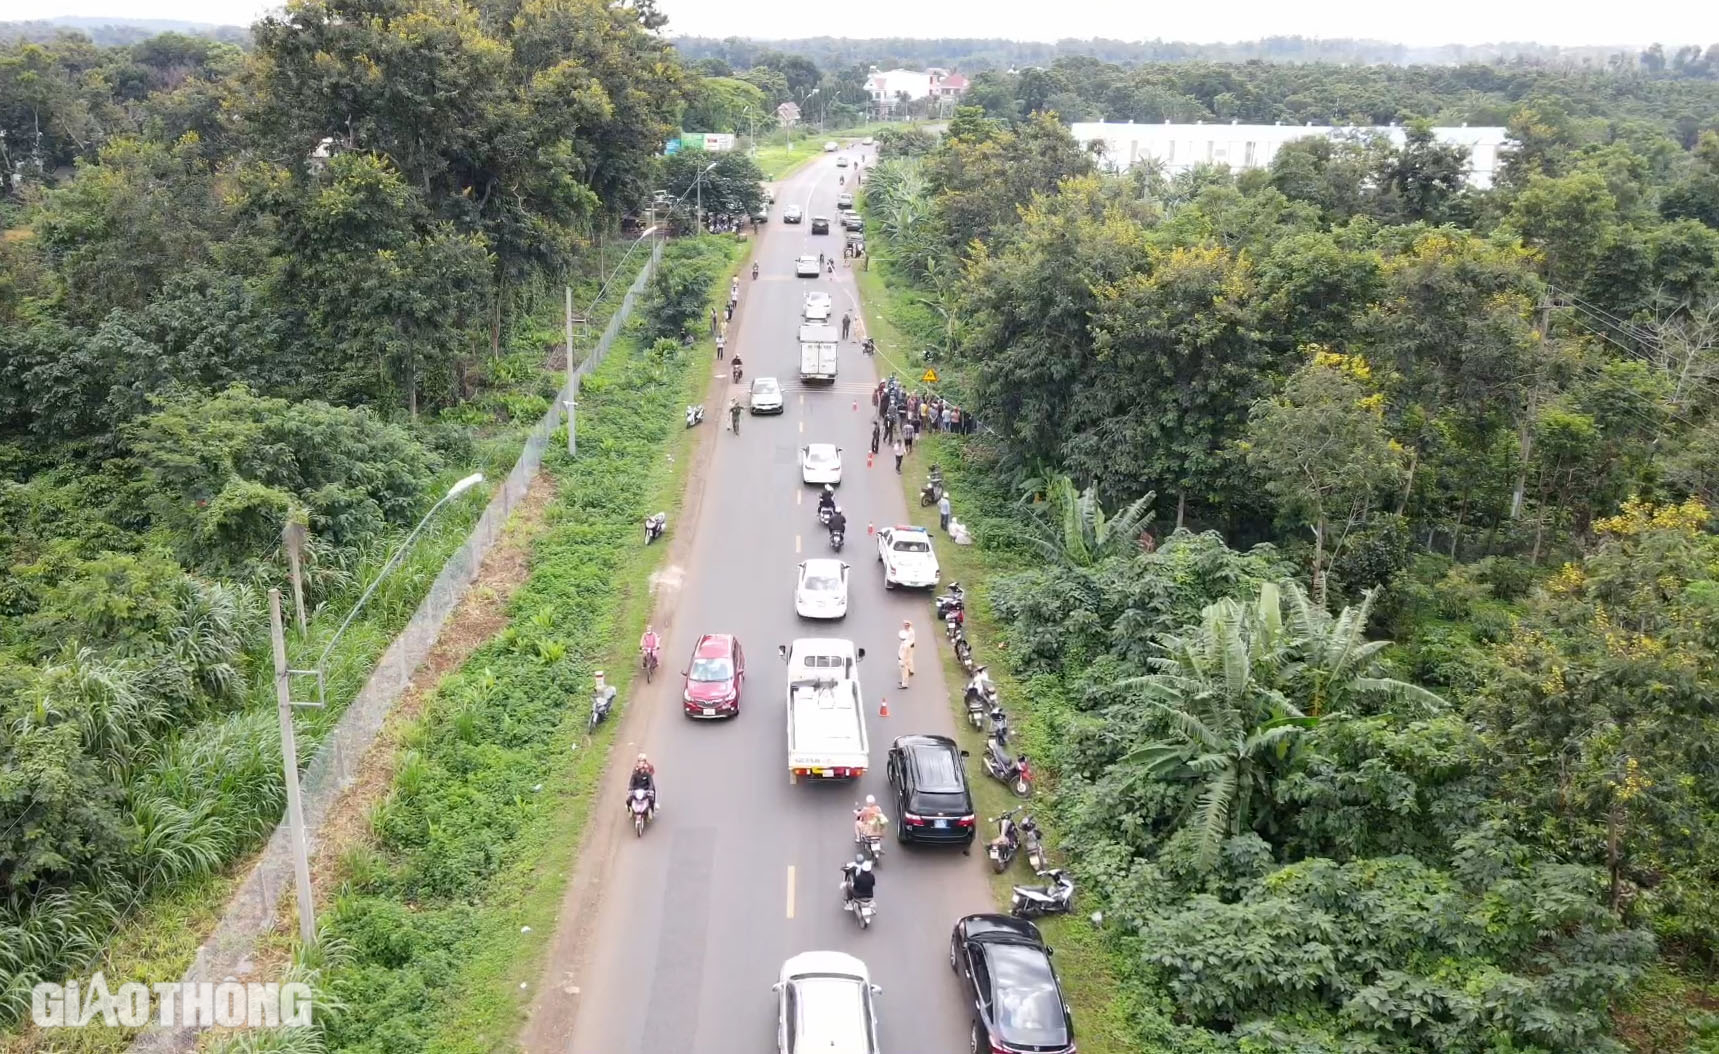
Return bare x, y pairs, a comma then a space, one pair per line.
870, 821
838, 521
755, 272
861, 881
827, 500
736, 367
644, 778
650, 642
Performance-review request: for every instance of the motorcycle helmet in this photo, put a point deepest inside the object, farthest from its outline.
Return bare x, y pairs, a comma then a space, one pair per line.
870, 799
865, 866
831, 491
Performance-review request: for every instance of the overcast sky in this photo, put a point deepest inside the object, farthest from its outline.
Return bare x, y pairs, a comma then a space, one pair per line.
1443, 22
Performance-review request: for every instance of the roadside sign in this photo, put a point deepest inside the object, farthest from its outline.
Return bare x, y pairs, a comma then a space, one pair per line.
930, 377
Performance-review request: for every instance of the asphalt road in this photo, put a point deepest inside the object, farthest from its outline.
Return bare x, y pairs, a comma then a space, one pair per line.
741, 868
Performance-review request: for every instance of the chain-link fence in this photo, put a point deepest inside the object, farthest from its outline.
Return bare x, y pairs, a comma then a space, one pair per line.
255, 905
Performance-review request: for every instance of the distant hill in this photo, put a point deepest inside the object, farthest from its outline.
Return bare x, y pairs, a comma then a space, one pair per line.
974, 54
111, 31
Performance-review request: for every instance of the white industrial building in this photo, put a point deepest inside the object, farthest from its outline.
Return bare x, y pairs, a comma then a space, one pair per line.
1180, 147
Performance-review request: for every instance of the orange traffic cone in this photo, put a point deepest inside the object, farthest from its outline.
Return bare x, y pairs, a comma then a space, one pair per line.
868, 458
869, 529
856, 406
883, 707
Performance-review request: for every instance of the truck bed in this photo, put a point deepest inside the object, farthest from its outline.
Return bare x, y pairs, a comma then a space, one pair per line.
826, 731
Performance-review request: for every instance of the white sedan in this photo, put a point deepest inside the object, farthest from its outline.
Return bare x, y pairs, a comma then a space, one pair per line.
907, 558
821, 463
823, 589
824, 1003
817, 307
766, 396
806, 267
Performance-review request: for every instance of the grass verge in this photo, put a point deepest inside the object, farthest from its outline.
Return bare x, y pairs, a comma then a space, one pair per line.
447, 914
779, 156
1111, 1017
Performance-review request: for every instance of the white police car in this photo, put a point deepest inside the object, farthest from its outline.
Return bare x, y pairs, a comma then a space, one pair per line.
906, 556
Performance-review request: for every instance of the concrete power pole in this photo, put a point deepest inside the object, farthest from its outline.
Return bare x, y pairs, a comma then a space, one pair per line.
289, 759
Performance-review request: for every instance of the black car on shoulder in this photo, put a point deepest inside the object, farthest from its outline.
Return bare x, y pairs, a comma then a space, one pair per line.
931, 794
1005, 967
820, 225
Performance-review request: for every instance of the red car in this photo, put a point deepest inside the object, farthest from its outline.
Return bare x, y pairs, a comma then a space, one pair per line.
714, 677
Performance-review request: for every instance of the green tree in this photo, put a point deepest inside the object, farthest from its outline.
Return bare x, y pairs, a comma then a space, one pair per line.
1323, 455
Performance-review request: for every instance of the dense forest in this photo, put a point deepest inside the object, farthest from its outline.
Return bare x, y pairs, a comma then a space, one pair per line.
242, 289
979, 54
1357, 533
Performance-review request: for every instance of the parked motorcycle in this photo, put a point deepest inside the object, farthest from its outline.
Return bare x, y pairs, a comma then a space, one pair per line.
694, 415
655, 525
1033, 841
933, 489
954, 624
954, 600
1031, 902
1002, 848
602, 700
999, 723
1015, 772
964, 654
980, 697
640, 806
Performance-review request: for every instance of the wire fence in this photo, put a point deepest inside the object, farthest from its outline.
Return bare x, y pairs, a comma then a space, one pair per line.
254, 909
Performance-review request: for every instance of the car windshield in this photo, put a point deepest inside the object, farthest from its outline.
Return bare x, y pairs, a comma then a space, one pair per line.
936, 770
763, 387
823, 584
821, 457
1029, 1009
911, 545
718, 669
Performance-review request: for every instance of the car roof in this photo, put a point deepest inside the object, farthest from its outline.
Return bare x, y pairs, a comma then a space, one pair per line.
924, 750
714, 646
824, 962
823, 565
993, 928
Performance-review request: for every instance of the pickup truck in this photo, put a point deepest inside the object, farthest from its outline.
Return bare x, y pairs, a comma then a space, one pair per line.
818, 353
907, 558
826, 711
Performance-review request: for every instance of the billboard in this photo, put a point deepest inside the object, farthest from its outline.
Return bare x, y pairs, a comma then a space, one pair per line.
711, 141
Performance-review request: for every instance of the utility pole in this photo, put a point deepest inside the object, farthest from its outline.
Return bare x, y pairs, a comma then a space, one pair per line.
698, 202
572, 380
289, 759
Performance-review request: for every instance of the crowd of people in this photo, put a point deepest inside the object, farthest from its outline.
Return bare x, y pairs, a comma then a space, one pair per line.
902, 415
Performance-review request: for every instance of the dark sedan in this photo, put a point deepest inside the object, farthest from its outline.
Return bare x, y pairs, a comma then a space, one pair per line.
820, 225
931, 794
1005, 967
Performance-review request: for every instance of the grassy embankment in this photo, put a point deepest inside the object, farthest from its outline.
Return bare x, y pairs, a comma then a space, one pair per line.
781, 152
1104, 1020
160, 938
444, 918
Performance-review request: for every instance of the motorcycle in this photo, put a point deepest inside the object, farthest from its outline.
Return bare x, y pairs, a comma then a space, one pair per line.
954, 600
1002, 848
1033, 841
870, 845
1015, 772
837, 539
824, 513
932, 491
863, 908
964, 655
694, 415
602, 700
981, 698
869, 347
649, 661
655, 525
999, 722
736, 371
640, 806
1031, 902
954, 625
755, 272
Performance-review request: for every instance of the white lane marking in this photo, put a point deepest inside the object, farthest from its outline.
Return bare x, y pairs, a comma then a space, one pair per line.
790, 890
802, 427
799, 494
796, 544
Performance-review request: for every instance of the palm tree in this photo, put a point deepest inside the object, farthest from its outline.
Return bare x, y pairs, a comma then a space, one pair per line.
1077, 533
1229, 728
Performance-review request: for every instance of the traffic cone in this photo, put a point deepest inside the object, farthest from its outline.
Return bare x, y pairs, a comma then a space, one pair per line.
856, 406
883, 706
869, 529
868, 459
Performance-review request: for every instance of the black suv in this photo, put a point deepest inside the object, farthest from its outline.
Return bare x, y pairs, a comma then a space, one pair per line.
931, 795
820, 225
1018, 1007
